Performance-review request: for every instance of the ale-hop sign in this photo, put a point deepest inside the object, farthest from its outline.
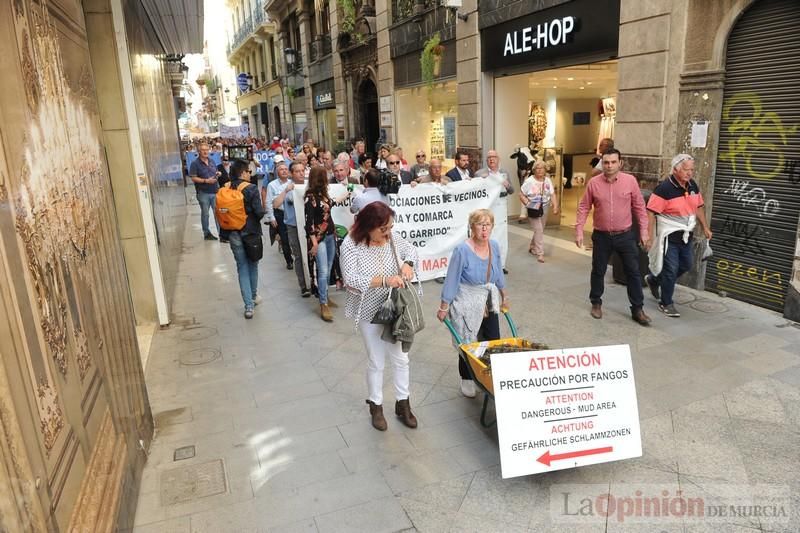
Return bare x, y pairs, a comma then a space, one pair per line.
565, 408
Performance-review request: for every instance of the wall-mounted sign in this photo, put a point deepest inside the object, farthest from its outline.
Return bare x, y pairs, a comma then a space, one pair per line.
243, 82
386, 104
324, 94
562, 35
323, 100
339, 121
340, 109
386, 120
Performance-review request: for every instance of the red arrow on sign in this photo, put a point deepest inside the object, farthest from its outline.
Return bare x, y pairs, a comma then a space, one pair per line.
546, 458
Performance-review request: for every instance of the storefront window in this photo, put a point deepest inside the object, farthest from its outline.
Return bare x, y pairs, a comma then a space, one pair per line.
326, 122
426, 120
300, 128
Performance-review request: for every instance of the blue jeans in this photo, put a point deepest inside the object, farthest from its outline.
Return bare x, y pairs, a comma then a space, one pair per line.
677, 261
326, 252
207, 201
247, 270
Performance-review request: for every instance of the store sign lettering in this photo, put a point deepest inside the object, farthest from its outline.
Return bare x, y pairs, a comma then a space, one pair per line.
325, 98
552, 33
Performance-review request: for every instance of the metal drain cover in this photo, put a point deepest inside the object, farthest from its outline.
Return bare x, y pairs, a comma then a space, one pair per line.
192, 482
199, 356
709, 306
683, 298
197, 333
184, 452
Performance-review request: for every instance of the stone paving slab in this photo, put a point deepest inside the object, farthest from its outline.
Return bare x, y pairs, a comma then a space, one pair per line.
283, 408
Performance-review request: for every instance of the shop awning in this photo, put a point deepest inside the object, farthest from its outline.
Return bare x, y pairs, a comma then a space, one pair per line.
178, 24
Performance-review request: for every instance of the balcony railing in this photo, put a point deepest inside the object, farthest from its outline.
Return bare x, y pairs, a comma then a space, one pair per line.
320, 48
404, 9
250, 24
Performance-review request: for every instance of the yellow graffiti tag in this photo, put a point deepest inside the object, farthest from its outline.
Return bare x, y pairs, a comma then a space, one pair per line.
749, 123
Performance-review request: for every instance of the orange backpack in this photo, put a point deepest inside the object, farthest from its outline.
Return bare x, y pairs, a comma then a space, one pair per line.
230, 207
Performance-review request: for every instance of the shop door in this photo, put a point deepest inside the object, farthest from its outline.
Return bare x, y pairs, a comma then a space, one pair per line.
757, 183
367, 106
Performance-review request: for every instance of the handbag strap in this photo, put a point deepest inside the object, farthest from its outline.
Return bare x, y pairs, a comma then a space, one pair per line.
489, 266
394, 253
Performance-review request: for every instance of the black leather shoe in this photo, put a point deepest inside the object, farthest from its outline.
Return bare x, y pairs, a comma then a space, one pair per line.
640, 317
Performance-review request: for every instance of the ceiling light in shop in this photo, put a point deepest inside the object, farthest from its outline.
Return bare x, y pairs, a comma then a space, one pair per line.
555, 79
582, 87
570, 79
555, 86
588, 83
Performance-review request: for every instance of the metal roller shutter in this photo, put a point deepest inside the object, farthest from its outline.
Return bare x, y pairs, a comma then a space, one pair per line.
757, 184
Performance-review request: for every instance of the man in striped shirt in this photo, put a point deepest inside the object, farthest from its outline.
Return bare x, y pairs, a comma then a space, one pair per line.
616, 198
673, 210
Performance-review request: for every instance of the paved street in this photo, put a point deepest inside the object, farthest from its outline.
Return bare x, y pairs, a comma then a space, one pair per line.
281, 403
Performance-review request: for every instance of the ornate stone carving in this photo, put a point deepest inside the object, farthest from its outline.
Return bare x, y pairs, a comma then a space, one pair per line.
51, 420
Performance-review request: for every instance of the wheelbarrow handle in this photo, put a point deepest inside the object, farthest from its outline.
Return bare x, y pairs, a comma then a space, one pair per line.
511, 325
453, 331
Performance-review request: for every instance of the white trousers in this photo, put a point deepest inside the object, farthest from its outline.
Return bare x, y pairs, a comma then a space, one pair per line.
378, 350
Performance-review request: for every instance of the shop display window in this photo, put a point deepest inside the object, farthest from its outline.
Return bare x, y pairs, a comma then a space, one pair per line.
427, 120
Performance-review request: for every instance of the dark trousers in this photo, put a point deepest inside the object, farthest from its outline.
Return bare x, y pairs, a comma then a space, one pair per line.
489, 331
285, 248
628, 250
677, 262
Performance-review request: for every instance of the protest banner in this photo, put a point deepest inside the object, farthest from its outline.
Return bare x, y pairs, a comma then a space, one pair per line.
565, 408
262, 156
234, 132
433, 217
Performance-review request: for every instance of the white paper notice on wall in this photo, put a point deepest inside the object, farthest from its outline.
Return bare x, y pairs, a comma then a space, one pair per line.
699, 133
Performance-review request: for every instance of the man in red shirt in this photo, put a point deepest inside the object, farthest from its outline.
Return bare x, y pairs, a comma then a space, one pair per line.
616, 198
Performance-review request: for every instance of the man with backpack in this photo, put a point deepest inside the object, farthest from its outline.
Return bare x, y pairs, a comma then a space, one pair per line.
239, 211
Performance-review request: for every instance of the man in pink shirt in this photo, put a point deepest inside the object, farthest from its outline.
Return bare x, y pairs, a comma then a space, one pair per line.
616, 199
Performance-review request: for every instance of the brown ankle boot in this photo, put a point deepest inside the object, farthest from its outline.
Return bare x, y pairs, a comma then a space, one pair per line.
325, 313
376, 412
402, 408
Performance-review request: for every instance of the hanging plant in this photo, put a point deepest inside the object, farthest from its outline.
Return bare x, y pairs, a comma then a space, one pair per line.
290, 92
348, 8
431, 58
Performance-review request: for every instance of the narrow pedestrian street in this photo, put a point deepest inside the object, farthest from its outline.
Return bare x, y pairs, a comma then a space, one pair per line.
274, 408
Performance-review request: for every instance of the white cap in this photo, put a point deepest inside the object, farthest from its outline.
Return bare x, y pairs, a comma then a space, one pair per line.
275, 139
278, 159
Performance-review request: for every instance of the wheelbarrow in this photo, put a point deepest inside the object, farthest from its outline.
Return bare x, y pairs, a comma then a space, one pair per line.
479, 372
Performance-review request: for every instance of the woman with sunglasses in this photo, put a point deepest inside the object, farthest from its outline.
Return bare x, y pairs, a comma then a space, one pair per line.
421, 168
474, 290
373, 260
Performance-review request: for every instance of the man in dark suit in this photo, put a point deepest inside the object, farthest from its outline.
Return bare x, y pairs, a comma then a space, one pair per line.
393, 166
461, 171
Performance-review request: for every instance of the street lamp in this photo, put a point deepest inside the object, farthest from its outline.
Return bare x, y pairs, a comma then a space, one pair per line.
291, 58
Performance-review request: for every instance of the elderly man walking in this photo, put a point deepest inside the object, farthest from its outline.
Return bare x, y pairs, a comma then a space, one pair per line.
673, 211
492, 171
204, 174
616, 198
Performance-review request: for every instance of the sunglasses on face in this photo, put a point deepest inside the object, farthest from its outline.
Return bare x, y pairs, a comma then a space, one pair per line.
420, 155
394, 162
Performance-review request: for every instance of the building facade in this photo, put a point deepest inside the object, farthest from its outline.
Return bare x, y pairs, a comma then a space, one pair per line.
253, 55
91, 228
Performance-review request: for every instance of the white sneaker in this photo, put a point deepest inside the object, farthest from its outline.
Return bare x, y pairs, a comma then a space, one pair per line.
468, 388
257, 300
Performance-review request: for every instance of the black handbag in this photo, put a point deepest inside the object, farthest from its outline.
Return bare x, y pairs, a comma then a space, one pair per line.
536, 213
253, 246
386, 313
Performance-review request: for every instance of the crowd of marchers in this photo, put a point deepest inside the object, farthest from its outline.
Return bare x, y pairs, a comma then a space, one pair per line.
372, 264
